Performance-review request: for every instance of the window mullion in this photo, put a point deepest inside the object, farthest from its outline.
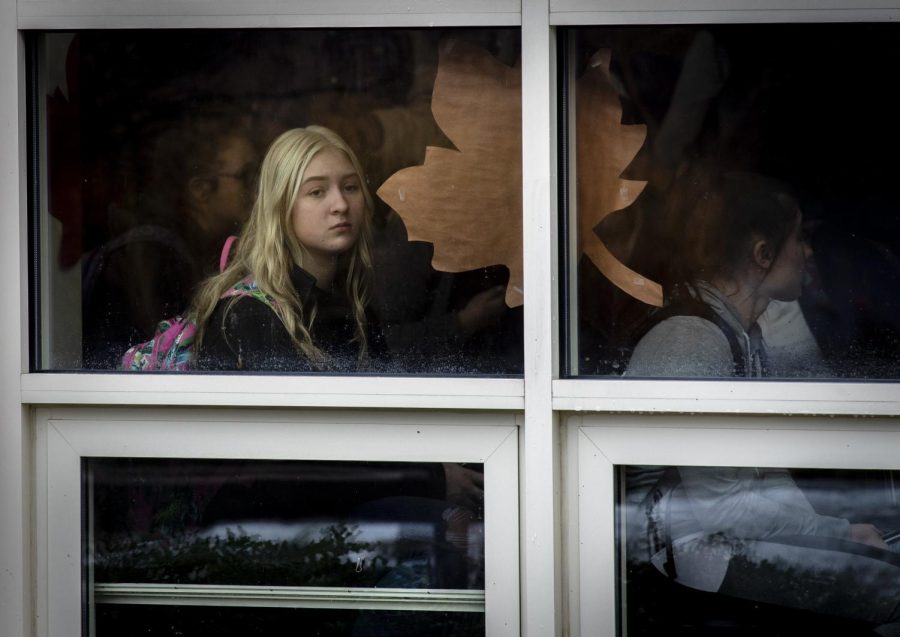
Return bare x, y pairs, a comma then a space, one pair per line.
541, 591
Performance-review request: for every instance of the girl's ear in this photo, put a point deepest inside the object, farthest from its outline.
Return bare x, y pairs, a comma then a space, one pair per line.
762, 254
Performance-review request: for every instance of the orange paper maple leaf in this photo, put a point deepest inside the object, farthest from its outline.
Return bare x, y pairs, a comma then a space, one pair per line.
468, 202
605, 147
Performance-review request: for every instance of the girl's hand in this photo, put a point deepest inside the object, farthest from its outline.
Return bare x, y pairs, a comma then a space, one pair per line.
483, 309
465, 487
867, 534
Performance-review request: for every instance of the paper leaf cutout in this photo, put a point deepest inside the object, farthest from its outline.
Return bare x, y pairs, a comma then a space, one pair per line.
468, 202
605, 147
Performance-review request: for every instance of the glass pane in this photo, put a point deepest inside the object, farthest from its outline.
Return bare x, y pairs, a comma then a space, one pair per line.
156, 146
125, 621
735, 201
758, 551
285, 523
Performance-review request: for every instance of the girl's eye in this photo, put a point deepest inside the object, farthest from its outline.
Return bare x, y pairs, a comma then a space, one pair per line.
351, 187
315, 192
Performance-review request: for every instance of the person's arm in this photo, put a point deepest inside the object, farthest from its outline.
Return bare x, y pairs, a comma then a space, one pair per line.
741, 502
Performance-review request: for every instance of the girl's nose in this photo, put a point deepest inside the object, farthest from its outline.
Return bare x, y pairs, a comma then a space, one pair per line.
338, 202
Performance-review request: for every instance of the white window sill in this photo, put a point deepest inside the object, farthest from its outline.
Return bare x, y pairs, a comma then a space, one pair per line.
727, 396
238, 390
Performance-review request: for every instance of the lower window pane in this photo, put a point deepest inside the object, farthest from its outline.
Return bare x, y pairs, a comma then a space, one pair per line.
277, 541
192, 621
758, 551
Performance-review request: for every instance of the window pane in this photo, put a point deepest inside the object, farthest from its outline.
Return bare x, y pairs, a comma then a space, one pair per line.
126, 621
153, 151
758, 551
742, 176
199, 547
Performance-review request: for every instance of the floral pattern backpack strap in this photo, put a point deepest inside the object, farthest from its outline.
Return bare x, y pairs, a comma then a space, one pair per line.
226, 252
247, 287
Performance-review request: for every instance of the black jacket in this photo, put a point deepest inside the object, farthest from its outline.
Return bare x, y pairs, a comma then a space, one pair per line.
251, 337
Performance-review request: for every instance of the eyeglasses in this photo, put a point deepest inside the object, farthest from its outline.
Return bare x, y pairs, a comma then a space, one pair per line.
247, 176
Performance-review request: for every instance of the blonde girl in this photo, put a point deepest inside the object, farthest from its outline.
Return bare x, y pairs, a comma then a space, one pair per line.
303, 263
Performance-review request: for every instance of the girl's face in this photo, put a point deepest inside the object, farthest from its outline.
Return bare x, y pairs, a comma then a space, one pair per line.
784, 280
328, 214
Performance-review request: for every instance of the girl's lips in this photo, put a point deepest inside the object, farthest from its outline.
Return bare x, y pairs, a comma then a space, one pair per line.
342, 226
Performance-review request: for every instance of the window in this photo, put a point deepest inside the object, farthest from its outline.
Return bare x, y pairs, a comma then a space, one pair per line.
266, 520
744, 518
215, 530
762, 546
552, 444
706, 167
151, 145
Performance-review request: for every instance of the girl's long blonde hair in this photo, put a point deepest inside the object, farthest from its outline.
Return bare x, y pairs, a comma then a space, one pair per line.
268, 249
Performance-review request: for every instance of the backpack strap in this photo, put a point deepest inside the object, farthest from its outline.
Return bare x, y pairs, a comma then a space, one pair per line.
152, 233
683, 306
226, 252
661, 539
247, 287
95, 261
704, 311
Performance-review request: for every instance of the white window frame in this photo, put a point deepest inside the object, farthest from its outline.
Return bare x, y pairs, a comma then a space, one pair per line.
596, 444
622, 12
541, 397
707, 395
157, 14
64, 436
619, 421
490, 394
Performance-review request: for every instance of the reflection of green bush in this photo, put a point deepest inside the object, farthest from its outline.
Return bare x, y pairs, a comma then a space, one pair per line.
845, 592
242, 559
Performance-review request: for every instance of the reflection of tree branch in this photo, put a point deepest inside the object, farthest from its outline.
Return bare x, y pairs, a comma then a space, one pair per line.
242, 559
829, 590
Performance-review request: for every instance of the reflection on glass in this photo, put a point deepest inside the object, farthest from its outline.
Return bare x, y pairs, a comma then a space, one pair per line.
735, 219
152, 144
761, 550
268, 523
203, 547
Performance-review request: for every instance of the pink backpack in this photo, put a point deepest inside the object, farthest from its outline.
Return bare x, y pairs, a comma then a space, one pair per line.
172, 345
